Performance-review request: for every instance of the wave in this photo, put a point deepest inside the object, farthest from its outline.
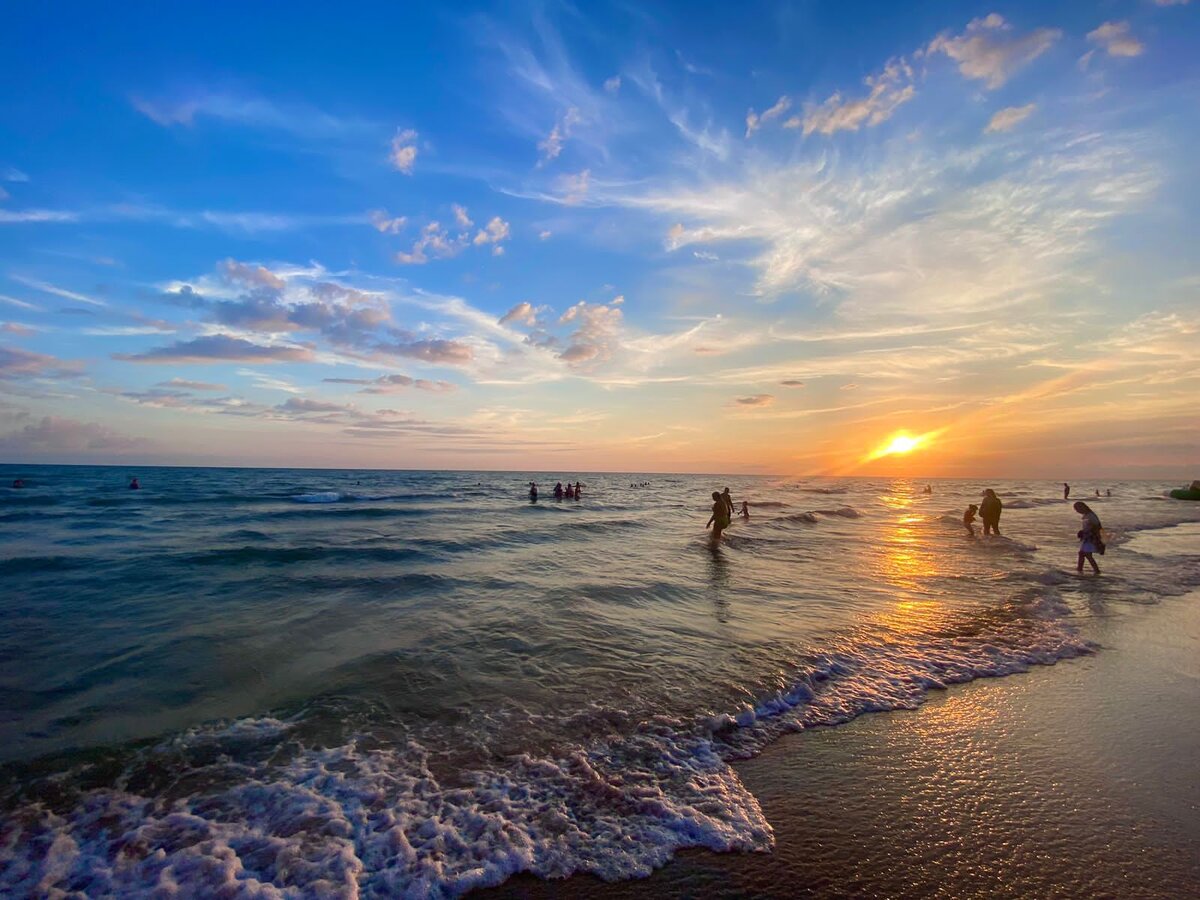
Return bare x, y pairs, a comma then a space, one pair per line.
378, 820
31, 564
814, 515
1034, 503
242, 556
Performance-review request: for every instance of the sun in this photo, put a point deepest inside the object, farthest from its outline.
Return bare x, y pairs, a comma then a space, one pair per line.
900, 444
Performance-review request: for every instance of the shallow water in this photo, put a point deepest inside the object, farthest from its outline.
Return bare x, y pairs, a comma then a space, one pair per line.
419, 682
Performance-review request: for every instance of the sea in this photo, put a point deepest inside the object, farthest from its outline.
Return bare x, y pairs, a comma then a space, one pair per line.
293, 683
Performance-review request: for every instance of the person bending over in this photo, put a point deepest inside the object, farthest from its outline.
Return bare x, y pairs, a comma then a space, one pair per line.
969, 519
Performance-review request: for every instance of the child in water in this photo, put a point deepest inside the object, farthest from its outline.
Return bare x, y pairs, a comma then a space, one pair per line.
720, 517
969, 518
746, 510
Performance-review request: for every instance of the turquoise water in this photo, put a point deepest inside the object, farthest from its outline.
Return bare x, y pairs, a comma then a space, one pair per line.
319, 682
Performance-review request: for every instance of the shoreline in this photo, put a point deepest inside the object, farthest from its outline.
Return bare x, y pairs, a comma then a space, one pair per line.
1065, 780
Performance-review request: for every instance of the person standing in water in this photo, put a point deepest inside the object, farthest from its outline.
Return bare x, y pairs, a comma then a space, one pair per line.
1066, 491
720, 517
989, 511
133, 484
969, 519
533, 492
745, 511
728, 503
1090, 538
558, 491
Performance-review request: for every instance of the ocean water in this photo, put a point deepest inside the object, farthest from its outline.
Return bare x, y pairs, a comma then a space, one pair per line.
301, 683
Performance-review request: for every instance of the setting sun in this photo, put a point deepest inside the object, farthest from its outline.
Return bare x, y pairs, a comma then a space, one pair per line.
900, 444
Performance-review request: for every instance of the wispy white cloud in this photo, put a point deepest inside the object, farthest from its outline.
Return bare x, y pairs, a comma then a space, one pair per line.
8, 173
48, 288
1010, 117
552, 146
755, 121
18, 216
989, 50
385, 224
1116, 39
889, 90
403, 153
257, 112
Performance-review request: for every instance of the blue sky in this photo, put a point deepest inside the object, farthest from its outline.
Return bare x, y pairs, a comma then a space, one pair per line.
544, 236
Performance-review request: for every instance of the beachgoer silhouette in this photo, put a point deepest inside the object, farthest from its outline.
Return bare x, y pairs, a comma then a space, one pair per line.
745, 510
577, 486
969, 518
720, 517
1066, 490
1108, 492
133, 484
989, 512
18, 482
1091, 537
533, 492
728, 502
558, 491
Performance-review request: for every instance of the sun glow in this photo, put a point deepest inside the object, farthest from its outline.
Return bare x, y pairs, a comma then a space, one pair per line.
900, 444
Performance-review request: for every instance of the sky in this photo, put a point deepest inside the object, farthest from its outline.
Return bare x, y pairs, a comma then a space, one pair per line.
761, 238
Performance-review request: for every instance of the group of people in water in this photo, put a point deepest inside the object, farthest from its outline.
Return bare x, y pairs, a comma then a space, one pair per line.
560, 492
1090, 535
1067, 491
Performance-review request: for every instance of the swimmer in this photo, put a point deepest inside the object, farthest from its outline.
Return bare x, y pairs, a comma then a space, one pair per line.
745, 511
558, 491
133, 484
1091, 538
576, 494
533, 492
720, 517
18, 482
969, 518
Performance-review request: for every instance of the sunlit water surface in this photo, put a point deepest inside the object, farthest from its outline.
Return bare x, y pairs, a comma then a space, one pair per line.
420, 682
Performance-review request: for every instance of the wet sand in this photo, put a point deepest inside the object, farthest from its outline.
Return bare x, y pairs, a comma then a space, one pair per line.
1081, 779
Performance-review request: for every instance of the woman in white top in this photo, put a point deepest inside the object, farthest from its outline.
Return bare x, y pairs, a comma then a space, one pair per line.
1090, 539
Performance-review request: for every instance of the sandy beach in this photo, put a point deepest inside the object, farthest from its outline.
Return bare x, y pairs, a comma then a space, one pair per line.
1068, 781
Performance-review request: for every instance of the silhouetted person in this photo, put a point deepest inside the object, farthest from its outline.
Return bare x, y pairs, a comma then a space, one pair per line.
577, 487
1091, 540
720, 516
745, 511
18, 482
533, 492
1066, 490
969, 518
989, 512
133, 484
728, 502
558, 491
1108, 492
